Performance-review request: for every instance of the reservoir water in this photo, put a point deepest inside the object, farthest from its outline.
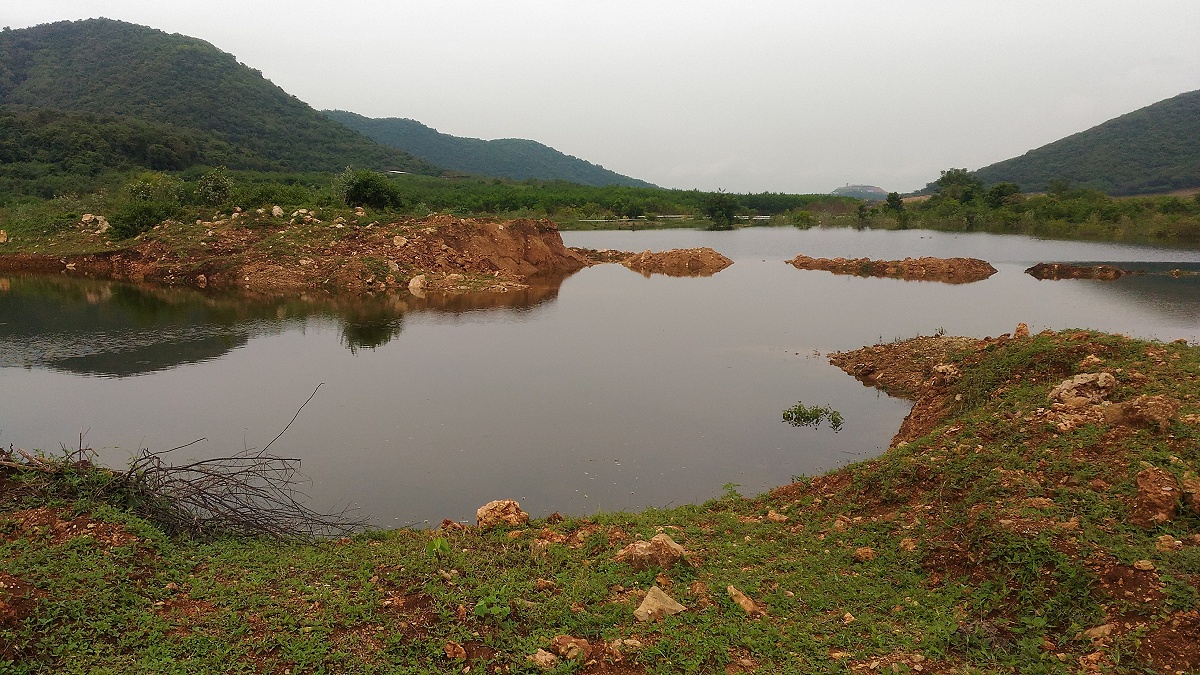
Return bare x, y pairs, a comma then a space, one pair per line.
602, 391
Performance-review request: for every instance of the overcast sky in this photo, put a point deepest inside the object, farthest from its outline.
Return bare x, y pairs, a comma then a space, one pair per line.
749, 96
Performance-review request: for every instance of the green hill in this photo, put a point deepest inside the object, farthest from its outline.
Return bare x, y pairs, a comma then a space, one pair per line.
1155, 149
512, 158
112, 68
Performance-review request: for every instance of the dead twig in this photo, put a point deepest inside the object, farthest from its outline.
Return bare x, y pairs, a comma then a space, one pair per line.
251, 493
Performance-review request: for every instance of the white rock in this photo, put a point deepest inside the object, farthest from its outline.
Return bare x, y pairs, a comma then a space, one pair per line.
657, 605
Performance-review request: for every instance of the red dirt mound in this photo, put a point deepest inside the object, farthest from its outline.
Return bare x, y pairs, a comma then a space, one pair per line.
679, 262
946, 270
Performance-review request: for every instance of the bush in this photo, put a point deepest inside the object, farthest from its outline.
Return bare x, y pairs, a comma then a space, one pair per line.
214, 187
367, 188
135, 217
145, 202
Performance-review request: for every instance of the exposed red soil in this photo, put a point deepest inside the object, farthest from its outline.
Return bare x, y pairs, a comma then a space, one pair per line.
915, 369
680, 262
946, 270
46, 522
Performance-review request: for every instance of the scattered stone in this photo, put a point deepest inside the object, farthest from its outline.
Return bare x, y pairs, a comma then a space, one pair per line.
571, 648
660, 551
1090, 361
1083, 389
1021, 332
863, 554
1191, 494
417, 284
501, 512
455, 651
3, 237
1157, 498
543, 659
87, 218
848, 618
751, 607
1099, 632
454, 278
1144, 410
657, 605
776, 517
908, 544
545, 585
1143, 565
277, 212
1167, 543
1039, 503
201, 281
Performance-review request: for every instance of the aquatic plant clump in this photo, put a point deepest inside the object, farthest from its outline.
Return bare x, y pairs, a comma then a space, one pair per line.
801, 415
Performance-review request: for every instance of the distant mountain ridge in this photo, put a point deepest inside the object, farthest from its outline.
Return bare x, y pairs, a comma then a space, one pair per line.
1151, 150
114, 68
512, 158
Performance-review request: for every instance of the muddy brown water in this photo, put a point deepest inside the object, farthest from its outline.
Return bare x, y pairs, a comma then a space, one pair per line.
604, 390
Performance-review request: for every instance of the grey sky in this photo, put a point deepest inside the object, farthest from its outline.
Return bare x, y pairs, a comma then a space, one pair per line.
771, 95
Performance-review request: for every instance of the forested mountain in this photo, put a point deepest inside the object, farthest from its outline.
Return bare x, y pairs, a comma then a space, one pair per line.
512, 158
88, 143
1155, 149
114, 68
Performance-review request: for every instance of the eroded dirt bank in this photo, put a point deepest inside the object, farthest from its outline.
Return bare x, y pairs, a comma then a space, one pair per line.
946, 270
259, 253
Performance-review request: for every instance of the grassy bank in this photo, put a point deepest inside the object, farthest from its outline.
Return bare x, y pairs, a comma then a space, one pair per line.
998, 535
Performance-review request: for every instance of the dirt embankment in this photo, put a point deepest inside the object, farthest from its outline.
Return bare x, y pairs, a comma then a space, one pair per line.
918, 370
946, 270
261, 254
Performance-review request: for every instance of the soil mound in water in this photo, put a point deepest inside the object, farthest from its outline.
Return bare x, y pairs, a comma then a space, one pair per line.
946, 270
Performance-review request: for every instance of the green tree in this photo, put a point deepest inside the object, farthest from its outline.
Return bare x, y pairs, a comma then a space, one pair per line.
894, 202
1058, 187
1000, 194
959, 184
720, 207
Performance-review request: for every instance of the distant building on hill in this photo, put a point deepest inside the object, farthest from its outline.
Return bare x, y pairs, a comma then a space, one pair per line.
868, 192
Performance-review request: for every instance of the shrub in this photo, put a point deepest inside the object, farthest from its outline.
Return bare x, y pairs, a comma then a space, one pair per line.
214, 187
146, 201
366, 188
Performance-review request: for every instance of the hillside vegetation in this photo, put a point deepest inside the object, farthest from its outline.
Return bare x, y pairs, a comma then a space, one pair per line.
110, 67
1152, 150
961, 203
513, 158
47, 152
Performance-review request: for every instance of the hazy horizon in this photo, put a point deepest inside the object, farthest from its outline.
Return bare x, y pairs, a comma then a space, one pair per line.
762, 96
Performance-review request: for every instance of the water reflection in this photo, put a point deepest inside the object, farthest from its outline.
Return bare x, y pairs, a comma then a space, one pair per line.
1155, 289
111, 329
